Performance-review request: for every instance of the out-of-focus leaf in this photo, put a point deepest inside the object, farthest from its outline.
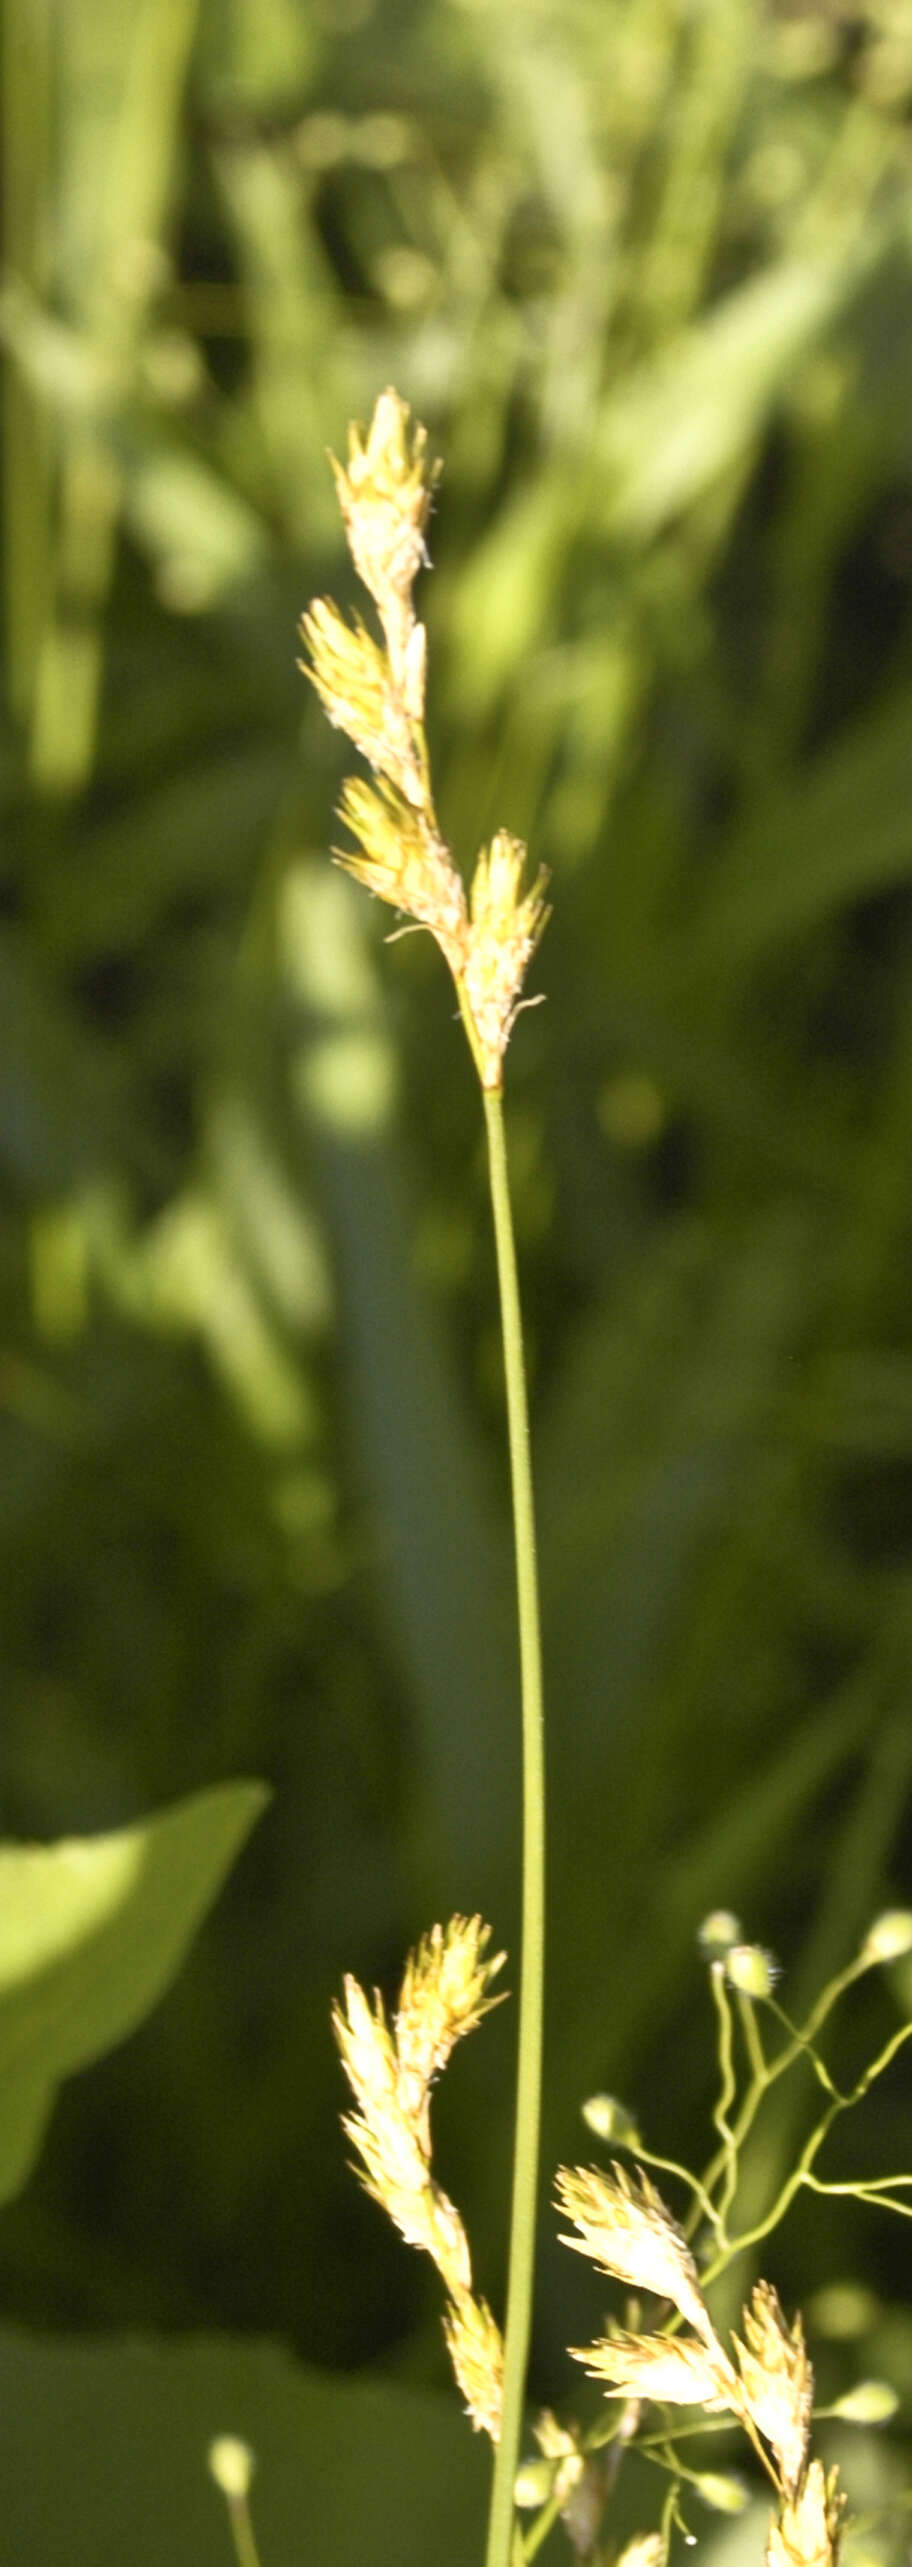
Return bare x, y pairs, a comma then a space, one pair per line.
91, 1933
836, 834
203, 535
670, 432
199, 824
444, 1553
644, 1447
345, 2470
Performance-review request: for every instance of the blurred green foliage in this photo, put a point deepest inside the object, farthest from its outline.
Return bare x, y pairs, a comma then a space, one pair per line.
645, 269
91, 1933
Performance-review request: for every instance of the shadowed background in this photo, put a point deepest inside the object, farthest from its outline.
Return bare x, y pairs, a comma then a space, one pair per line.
645, 270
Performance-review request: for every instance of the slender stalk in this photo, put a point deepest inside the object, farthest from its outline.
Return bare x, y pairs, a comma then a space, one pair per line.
242, 2528
531, 1994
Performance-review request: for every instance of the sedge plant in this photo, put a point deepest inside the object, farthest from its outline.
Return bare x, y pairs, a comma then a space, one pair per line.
374, 691
679, 2365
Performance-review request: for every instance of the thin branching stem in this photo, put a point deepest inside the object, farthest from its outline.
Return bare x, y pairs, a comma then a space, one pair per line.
883, 2059
531, 1992
727, 2089
702, 2199
751, 2034
860, 2191
539, 2529
766, 2072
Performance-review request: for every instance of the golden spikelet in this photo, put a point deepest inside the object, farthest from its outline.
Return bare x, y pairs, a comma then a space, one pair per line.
805, 2533
625, 2229
404, 861
777, 2381
475, 2348
676, 2370
376, 696
444, 1995
505, 928
390, 2068
385, 497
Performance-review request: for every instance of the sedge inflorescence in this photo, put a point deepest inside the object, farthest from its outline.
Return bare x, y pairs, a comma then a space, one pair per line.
759, 2377
765, 2383
375, 693
373, 689
391, 2066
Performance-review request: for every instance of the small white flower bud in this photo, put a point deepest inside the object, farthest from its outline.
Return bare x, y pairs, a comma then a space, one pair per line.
751, 1970
718, 1932
871, 2402
721, 2490
610, 2119
533, 2483
647, 2549
889, 1937
231, 2464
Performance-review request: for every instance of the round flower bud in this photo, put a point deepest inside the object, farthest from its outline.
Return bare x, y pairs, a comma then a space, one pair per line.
751, 1970
231, 2464
718, 1932
721, 2490
533, 2483
889, 1937
871, 2402
611, 2120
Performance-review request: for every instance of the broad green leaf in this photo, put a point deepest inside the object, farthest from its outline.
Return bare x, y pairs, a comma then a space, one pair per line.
103, 2459
92, 1931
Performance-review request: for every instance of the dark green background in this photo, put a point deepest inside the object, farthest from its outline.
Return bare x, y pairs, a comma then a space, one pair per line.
646, 272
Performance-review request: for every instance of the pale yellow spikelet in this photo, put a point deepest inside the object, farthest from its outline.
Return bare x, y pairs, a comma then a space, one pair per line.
385, 495
394, 2155
505, 928
389, 2069
672, 2370
394, 2171
475, 2347
367, 2048
805, 2533
404, 861
626, 2230
646, 2549
353, 683
443, 1996
451, 2246
376, 696
560, 2444
777, 2381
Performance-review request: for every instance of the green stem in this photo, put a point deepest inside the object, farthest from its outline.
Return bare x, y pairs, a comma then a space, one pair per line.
528, 2080
242, 2528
